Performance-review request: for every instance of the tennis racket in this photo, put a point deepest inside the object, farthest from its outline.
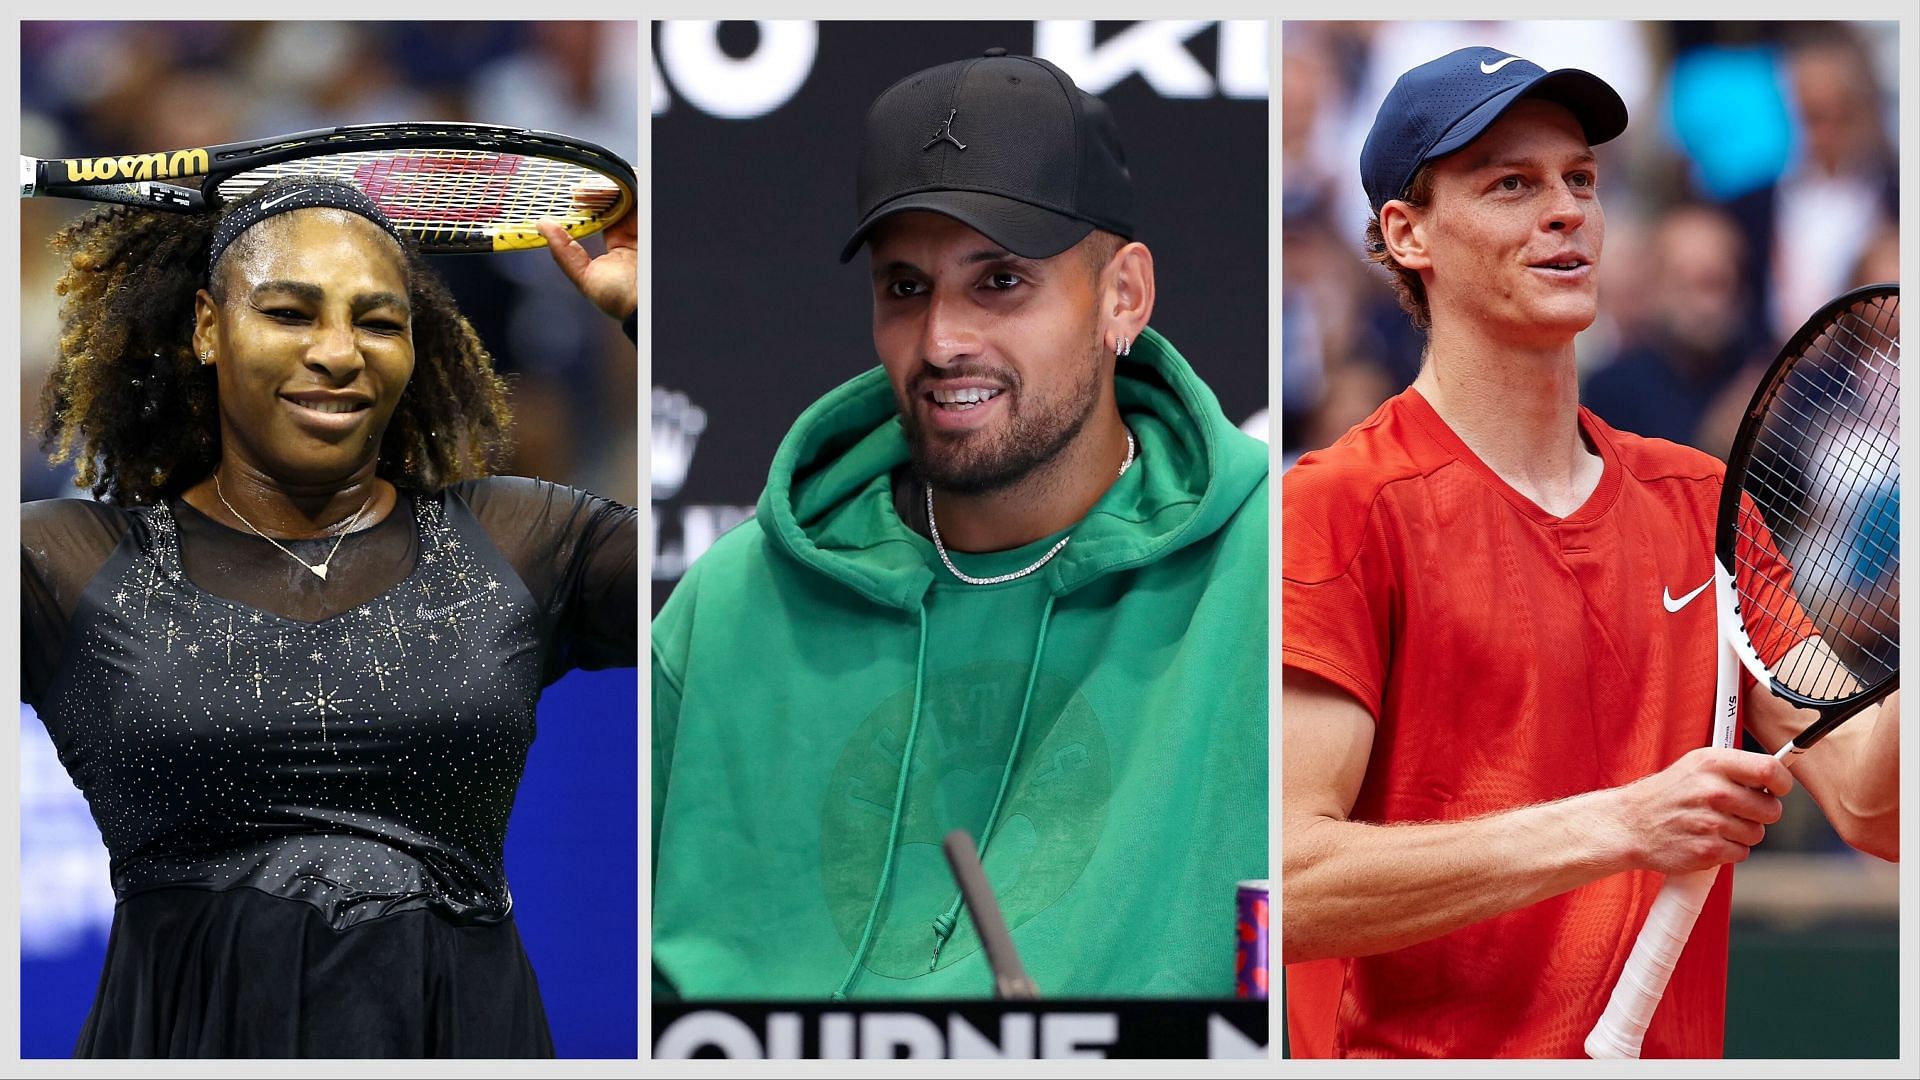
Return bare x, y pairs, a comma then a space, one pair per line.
447, 187
1806, 577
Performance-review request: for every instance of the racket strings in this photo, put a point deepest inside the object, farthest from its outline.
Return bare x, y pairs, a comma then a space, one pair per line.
444, 197
1817, 538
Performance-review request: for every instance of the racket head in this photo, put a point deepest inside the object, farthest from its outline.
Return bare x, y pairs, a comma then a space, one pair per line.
448, 187
1808, 525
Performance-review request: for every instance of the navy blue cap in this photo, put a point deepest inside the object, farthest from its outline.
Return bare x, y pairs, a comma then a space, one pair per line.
1444, 104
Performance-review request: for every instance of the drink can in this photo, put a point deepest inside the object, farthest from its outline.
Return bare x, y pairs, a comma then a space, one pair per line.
1250, 940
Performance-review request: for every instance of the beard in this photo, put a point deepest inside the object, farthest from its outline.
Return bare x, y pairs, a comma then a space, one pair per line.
1031, 435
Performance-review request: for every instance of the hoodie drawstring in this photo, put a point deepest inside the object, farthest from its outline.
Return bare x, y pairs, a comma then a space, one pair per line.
899, 812
943, 925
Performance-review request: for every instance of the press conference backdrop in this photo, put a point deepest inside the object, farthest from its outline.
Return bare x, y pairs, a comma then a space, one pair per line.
756, 134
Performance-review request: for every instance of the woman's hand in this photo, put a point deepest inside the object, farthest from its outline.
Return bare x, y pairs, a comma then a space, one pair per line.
610, 280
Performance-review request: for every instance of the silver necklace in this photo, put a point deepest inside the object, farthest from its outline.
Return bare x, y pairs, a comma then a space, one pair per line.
319, 571
934, 528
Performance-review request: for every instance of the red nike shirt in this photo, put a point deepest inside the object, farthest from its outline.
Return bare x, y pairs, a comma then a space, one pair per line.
1508, 657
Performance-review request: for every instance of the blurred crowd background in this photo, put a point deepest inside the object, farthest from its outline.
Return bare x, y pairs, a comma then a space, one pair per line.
97, 88
116, 88
1756, 181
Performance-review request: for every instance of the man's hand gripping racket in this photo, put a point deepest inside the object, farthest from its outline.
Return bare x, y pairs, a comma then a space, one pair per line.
1806, 569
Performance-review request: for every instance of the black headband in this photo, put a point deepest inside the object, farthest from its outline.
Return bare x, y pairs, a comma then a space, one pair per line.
335, 195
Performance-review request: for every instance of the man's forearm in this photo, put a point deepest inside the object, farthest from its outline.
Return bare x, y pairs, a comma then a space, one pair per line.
1856, 779
1355, 889
1854, 772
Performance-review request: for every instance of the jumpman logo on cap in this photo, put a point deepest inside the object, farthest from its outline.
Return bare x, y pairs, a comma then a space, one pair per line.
945, 131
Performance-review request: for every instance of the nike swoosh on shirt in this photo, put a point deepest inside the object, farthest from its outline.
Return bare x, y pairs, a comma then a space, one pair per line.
1667, 600
1488, 69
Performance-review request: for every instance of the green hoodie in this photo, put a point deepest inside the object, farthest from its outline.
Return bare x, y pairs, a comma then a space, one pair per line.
1102, 723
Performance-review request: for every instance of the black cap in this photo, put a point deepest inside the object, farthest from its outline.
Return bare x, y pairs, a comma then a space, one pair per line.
1007, 145
1444, 104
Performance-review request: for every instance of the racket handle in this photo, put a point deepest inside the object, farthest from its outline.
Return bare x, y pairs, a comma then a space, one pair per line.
1623, 1025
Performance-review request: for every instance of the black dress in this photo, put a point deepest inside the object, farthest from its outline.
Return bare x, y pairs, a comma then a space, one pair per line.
304, 784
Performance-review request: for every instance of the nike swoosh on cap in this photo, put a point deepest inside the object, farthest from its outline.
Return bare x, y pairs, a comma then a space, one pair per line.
1488, 69
1667, 601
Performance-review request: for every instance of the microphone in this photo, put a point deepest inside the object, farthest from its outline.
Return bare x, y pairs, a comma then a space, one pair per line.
1010, 980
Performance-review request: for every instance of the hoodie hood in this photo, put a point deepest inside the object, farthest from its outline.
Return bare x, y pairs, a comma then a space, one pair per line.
829, 499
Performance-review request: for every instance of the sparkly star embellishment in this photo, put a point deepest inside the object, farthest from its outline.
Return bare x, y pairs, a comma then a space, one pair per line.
229, 637
380, 669
319, 703
395, 628
259, 679
150, 587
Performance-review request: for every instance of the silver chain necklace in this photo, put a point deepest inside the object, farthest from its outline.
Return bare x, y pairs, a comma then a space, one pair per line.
319, 571
934, 528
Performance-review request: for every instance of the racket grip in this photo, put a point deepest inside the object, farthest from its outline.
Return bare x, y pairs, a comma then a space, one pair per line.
1623, 1025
